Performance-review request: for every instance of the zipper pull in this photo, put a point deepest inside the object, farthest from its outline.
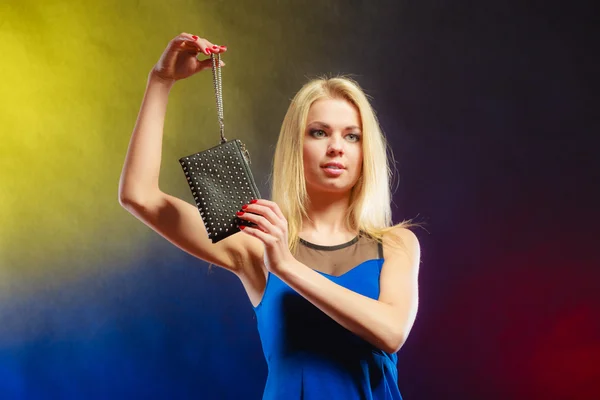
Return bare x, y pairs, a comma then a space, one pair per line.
246, 153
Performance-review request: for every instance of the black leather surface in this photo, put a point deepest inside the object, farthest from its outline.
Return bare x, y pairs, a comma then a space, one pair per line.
221, 183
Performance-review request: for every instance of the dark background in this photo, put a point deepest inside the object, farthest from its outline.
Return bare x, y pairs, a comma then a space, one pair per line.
491, 109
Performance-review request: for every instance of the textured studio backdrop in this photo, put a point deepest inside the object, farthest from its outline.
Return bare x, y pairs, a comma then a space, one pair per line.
491, 109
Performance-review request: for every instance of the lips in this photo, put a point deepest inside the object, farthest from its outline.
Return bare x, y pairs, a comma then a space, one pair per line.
333, 165
333, 169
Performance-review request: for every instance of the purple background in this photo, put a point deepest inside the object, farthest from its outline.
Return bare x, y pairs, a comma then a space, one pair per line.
492, 112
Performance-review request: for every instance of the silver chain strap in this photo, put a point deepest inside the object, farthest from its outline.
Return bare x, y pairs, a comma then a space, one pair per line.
216, 70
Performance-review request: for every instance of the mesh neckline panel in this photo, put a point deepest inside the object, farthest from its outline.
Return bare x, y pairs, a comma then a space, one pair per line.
329, 248
338, 259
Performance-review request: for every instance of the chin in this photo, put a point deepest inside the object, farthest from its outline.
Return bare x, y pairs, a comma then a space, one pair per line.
330, 187
320, 184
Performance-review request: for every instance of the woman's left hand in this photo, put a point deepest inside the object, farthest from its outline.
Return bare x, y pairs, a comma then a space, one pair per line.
271, 229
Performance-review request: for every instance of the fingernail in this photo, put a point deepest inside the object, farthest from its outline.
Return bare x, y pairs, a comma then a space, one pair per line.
244, 206
253, 201
242, 227
224, 47
195, 37
215, 47
239, 213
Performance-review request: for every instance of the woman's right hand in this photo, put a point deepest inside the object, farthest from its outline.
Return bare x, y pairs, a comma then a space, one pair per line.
179, 60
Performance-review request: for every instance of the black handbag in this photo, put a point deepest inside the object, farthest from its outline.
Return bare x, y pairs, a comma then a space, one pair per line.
220, 178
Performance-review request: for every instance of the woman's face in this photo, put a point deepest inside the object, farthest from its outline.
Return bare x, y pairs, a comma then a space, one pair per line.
332, 146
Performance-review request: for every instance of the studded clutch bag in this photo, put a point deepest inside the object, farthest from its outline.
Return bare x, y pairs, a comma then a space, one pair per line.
220, 178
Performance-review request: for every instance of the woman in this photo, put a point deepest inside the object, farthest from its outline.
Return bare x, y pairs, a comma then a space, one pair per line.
331, 312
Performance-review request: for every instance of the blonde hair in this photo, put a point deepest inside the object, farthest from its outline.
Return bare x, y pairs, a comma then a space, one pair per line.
370, 200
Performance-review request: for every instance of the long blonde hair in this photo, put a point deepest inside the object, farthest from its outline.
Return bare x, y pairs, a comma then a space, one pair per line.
370, 200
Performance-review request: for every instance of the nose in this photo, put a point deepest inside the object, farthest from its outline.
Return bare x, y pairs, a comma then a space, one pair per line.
335, 145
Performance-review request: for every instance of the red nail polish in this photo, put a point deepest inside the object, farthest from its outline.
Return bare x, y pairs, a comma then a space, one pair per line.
223, 47
242, 227
195, 37
253, 201
215, 47
239, 213
244, 206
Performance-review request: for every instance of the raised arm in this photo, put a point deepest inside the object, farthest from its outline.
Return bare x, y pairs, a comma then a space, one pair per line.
139, 192
139, 178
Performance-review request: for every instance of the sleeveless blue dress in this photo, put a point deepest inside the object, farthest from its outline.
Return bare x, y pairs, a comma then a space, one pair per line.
310, 356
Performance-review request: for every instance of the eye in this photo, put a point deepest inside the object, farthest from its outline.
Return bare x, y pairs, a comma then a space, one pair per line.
317, 133
353, 137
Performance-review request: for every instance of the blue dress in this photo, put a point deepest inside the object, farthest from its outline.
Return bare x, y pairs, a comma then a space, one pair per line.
310, 356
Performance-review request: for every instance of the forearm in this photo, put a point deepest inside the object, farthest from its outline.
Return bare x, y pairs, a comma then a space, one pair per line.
142, 164
372, 320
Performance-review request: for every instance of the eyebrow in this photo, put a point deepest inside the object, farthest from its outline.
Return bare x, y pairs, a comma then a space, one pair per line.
326, 126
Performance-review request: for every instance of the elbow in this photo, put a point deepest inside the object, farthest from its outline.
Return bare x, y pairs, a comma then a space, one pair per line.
394, 342
127, 200
131, 195
141, 204
135, 205
132, 200
125, 194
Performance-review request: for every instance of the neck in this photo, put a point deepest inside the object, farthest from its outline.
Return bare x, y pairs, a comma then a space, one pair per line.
327, 219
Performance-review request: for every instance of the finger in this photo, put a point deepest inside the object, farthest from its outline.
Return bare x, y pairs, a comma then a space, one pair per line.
222, 49
263, 223
187, 43
200, 42
217, 49
190, 46
211, 47
205, 45
271, 205
265, 211
188, 35
257, 233
205, 64
275, 207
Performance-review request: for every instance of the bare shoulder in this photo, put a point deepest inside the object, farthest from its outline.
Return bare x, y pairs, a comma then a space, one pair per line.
400, 270
401, 243
399, 279
404, 234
